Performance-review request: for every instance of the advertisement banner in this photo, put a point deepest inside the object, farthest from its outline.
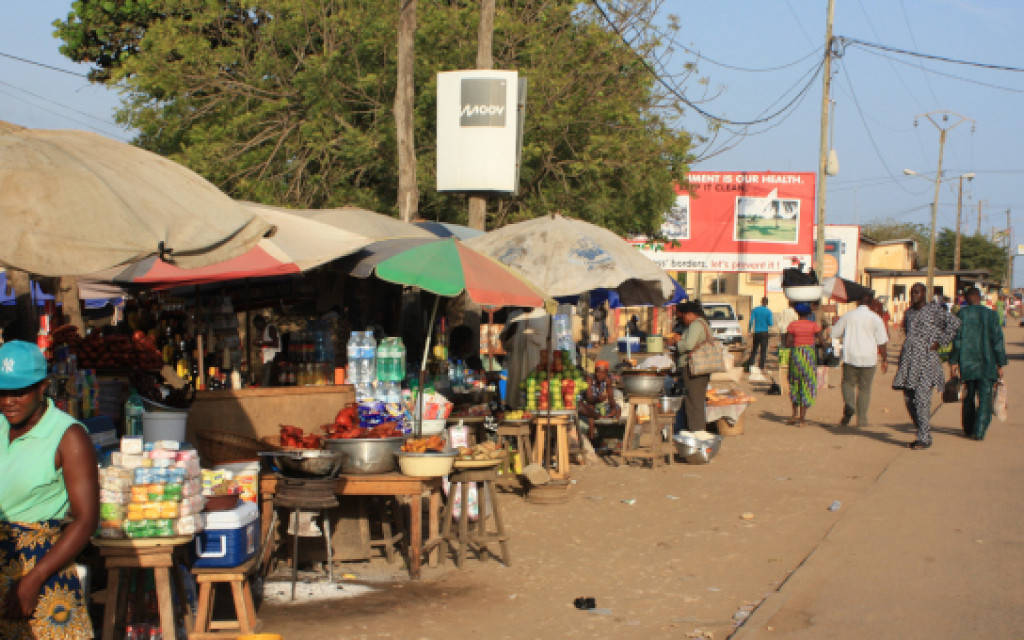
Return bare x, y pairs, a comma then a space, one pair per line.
842, 242
753, 221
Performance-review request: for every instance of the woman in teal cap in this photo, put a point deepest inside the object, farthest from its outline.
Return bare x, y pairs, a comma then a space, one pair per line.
49, 504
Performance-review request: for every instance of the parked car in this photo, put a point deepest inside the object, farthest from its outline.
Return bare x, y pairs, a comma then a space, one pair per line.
725, 323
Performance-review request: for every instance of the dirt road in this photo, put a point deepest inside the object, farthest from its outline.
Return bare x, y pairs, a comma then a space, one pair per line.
925, 544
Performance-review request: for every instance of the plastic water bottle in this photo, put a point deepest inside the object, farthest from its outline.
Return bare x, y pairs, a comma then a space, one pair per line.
386, 360
352, 350
368, 357
399, 354
133, 410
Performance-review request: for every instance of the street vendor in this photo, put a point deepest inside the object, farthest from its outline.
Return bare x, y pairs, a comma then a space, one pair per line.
48, 478
598, 400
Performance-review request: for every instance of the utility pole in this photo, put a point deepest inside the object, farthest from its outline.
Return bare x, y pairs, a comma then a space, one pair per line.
484, 60
959, 209
826, 96
1009, 255
944, 126
978, 231
408, 194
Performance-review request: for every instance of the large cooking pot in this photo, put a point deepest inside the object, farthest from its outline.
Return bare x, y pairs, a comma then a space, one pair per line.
644, 382
366, 455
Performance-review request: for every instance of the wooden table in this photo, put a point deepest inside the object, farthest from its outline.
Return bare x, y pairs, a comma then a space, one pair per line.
141, 553
386, 484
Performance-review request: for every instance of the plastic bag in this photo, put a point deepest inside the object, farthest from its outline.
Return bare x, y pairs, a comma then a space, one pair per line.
999, 400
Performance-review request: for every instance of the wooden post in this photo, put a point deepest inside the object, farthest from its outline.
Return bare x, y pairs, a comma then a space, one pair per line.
484, 60
67, 295
26, 320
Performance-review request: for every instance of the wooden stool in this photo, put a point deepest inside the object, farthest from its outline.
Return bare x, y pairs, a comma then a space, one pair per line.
389, 512
521, 434
158, 554
658, 448
560, 425
460, 542
245, 611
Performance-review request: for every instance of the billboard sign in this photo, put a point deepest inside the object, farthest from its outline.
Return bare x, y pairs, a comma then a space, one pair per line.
842, 242
737, 221
479, 130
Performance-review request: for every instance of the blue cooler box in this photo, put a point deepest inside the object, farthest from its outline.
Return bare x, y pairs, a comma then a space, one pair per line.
228, 538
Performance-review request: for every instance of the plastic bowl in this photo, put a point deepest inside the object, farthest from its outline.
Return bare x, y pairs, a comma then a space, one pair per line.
804, 293
426, 465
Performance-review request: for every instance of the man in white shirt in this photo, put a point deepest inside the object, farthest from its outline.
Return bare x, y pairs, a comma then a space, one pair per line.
864, 338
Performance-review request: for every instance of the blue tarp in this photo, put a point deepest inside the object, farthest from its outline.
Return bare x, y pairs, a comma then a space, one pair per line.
8, 296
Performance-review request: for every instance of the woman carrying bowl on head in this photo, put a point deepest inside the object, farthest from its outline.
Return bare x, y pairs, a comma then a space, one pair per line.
802, 335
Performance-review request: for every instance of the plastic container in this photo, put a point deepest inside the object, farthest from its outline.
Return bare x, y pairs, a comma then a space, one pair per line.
352, 351
655, 344
164, 425
228, 538
426, 465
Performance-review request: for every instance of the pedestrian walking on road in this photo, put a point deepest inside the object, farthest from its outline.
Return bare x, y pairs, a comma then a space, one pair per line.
864, 346
759, 325
978, 357
802, 336
927, 326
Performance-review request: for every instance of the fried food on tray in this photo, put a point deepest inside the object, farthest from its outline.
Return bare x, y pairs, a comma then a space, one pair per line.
423, 445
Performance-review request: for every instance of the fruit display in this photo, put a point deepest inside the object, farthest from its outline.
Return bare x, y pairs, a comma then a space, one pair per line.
111, 351
555, 390
518, 414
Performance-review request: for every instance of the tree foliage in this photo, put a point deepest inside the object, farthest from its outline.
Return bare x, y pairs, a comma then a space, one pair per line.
977, 253
893, 230
289, 101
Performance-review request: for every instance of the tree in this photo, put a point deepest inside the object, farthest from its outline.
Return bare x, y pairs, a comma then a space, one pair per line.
977, 253
290, 101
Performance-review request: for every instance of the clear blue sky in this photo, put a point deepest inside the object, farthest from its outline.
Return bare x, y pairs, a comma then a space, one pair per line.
875, 142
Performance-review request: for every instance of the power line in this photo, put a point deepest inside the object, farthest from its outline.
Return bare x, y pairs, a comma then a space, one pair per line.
56, 113
678, 94
871, 137
947, 75
54, 102
929, 56
43, 65
725, 65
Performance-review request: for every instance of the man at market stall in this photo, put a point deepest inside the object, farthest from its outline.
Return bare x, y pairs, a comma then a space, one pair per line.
864, 348
598, 401
47, 474
267, 339
978, 357
696, 387
927, 326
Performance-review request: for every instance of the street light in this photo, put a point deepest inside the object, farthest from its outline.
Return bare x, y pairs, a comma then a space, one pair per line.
960, 207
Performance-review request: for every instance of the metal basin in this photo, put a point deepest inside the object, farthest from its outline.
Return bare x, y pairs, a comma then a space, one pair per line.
670, 404
366, 455
697, 450
311, 463
644, 382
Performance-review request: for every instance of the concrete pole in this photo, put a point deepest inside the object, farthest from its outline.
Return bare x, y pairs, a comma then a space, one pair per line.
935, 211
959, 209
826, 89
977, 231
1009, 254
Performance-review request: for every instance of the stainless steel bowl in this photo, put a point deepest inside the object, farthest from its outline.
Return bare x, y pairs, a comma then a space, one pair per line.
695, 450
670, 404
644, 382
366, 455
316, 463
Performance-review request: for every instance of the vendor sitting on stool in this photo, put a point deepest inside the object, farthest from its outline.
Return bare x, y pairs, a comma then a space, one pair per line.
599, 399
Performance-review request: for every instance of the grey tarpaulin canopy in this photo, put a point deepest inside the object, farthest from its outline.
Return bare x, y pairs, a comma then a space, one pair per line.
74, 203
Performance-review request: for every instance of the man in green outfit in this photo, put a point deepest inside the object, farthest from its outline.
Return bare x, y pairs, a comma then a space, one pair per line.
978, 357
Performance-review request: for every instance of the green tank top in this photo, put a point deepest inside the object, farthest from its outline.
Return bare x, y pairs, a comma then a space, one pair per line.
31, 489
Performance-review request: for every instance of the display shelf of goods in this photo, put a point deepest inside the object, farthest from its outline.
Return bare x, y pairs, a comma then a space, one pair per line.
112, 351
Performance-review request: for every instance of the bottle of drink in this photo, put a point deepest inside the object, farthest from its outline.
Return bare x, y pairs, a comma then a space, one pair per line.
133, 410
369, 357
399, 364
353, 351
384, 360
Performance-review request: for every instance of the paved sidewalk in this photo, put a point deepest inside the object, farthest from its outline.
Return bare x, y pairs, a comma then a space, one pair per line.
934, 550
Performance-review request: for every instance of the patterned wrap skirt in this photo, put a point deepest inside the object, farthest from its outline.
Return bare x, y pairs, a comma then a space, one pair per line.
61, 612
803, 380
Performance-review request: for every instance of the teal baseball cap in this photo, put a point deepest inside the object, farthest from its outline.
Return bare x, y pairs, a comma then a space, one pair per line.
22, 364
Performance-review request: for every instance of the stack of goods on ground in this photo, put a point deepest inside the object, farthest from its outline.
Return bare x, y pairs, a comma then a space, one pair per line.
150, 490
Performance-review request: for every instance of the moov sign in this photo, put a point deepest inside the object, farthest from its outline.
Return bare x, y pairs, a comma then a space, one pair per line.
483, 102
480, 117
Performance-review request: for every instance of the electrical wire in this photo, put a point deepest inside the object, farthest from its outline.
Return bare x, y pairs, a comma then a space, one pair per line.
990, 85
929, 56
62, 115
58, 104
682, 97
871, 137
671, 39
43, 65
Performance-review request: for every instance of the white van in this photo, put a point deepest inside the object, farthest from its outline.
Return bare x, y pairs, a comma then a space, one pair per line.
725, 324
